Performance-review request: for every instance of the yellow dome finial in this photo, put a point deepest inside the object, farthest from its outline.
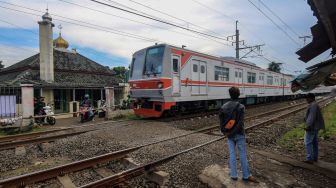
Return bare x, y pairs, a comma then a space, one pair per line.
60, 42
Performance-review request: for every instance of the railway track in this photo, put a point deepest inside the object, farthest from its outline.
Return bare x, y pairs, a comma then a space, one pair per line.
10, 142
214, 112
139, 170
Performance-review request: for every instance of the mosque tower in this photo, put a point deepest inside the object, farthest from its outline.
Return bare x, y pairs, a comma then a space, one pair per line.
46, 48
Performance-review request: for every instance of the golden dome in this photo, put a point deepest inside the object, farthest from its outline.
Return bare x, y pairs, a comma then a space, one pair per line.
60, 42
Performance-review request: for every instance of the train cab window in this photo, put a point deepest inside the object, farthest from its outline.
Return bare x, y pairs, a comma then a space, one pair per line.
251, 77
131, 68
175, 65
153, 62
269, 80
195, 68
221, 73
202, 69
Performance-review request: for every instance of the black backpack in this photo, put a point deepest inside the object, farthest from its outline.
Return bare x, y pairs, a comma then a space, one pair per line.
228, 121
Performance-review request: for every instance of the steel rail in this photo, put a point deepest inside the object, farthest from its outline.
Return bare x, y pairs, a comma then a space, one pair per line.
137, 171
30, 135
86, 163
10, 145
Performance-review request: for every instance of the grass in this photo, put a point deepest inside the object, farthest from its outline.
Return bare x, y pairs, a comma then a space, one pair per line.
294, 137
126, 116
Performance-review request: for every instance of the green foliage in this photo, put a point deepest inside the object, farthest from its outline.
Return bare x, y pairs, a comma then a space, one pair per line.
1, 65
120, 72
275, 67
294, 138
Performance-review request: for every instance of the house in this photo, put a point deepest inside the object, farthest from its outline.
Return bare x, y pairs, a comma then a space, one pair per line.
60, 75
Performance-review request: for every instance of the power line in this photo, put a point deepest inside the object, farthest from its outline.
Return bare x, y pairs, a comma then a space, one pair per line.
159, 20
269, 18
183, 20
135, 21
227, 16
281, 20
88, 25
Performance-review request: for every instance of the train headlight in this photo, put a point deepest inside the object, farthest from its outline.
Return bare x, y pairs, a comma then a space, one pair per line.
160, 85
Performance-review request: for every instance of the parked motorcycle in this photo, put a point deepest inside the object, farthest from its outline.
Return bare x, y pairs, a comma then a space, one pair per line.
84, 114
50, 119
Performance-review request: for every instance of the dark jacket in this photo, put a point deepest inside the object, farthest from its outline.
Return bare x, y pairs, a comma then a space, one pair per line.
227, 109
314, 119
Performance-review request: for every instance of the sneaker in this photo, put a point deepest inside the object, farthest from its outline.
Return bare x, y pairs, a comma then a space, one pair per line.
251, 179
308, 161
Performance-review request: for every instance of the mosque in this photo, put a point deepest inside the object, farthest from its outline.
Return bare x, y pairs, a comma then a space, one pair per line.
61, 75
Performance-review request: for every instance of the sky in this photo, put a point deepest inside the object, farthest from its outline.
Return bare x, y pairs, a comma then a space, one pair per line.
110, 36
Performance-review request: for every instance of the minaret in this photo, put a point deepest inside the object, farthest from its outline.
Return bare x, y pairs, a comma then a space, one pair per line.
46, 48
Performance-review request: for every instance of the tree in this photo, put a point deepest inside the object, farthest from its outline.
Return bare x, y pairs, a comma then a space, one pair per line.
120, 72
1, 65
275, 67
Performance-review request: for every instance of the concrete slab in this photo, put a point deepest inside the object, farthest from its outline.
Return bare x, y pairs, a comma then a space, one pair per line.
216, 176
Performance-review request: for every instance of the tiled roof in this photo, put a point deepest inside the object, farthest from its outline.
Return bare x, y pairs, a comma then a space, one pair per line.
71, 70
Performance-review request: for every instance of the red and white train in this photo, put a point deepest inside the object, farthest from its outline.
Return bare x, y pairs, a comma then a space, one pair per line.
165, 78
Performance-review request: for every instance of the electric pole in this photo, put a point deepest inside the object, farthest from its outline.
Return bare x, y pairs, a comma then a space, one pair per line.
255, 48
237, 41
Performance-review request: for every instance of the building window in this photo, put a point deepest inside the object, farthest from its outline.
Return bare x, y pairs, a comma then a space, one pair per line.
202, 69
269, 80
251, 77
195, 68
221, 73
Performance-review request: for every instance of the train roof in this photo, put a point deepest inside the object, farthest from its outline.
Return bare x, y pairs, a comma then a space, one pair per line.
227, 58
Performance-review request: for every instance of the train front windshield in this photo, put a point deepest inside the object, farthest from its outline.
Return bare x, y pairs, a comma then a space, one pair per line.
153, 62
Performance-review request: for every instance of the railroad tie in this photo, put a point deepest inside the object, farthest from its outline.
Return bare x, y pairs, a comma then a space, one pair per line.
66, 181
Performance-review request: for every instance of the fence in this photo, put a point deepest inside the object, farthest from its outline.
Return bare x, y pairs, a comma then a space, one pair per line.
10, 102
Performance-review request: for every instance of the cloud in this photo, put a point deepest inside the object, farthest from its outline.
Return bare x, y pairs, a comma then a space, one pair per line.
254, 27
12, 54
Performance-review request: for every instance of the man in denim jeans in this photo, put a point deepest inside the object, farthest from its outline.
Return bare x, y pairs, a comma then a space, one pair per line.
236, 135
314, 122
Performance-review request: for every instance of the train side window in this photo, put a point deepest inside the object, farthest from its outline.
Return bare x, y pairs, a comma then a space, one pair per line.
251, 77
202, 69
195, 68
236, 74
222, 73
270, 80
175, 65
240, 74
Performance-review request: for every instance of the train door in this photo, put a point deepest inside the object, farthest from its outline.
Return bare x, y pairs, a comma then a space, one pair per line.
239, 79
261, 83
195, 77
176, 74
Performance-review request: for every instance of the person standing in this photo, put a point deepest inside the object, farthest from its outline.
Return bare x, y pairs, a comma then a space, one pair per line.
232, 125
313, 123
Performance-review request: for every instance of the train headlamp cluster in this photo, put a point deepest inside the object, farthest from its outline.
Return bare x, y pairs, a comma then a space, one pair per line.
160, 85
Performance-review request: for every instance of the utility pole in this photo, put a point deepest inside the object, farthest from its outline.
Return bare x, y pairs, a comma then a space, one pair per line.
237, 41
255, 48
